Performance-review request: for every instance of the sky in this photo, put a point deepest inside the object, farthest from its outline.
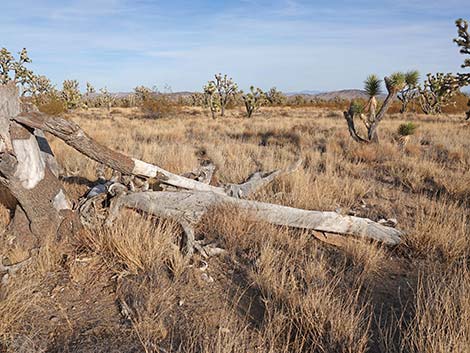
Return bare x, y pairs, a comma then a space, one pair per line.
293, 45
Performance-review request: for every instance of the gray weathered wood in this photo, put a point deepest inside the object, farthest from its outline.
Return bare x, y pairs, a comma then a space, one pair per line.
189, 207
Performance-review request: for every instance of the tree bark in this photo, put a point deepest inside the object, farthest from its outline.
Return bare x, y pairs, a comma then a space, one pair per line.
27, 178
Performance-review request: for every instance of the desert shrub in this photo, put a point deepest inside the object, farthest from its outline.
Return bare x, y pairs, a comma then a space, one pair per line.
275, 97
407, 129
334, 114
357, 106
157, 107
53, 106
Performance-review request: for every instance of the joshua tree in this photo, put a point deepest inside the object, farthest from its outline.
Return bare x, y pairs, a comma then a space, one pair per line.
275, 97
225, 88
197, 99
394, 83
16, 71
71, 94
105, 98
410, 91
42, 90
253, 100
212, 98
88, 100
142, 93
89, 88
463, 41
373, 88
437, 92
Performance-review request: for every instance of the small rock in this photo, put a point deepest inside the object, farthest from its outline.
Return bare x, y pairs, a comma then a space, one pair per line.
54, 319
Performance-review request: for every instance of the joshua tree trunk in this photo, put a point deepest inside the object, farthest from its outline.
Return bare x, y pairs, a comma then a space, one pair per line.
374, 120
28, 178
468, 113
372, 131
222, 109
249, 110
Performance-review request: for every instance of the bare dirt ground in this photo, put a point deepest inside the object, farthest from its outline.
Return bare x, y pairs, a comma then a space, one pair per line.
130, 289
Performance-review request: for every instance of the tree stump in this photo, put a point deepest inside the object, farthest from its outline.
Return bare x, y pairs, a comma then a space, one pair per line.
30, 187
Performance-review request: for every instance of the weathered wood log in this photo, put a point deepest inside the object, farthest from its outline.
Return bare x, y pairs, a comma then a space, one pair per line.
188, 208
27, 177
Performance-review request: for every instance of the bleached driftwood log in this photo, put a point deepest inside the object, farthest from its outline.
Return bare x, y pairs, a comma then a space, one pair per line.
188, 207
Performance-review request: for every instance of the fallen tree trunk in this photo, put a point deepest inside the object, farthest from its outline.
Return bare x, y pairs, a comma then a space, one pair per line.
188, 207
72, 134
30, 186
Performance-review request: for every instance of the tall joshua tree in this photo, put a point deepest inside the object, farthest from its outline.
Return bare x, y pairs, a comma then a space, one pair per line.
463, 41
370, 117
410, 91
71, 94
212, 100
253, 100
437, 92
219, 91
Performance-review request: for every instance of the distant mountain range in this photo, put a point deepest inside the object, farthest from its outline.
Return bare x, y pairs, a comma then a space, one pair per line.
303, 93
346, 94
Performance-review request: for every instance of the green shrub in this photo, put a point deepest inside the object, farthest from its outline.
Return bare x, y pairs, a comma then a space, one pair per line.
357, 107
407, 129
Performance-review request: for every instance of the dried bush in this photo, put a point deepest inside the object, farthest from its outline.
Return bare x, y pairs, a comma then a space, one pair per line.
53, 106
157, 107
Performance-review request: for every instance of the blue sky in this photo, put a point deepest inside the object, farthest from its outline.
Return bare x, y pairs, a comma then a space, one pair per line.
291, 44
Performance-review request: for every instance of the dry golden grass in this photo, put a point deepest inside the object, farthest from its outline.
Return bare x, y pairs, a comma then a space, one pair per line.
129, 289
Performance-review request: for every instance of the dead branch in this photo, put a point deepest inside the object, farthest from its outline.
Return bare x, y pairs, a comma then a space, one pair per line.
257, 181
